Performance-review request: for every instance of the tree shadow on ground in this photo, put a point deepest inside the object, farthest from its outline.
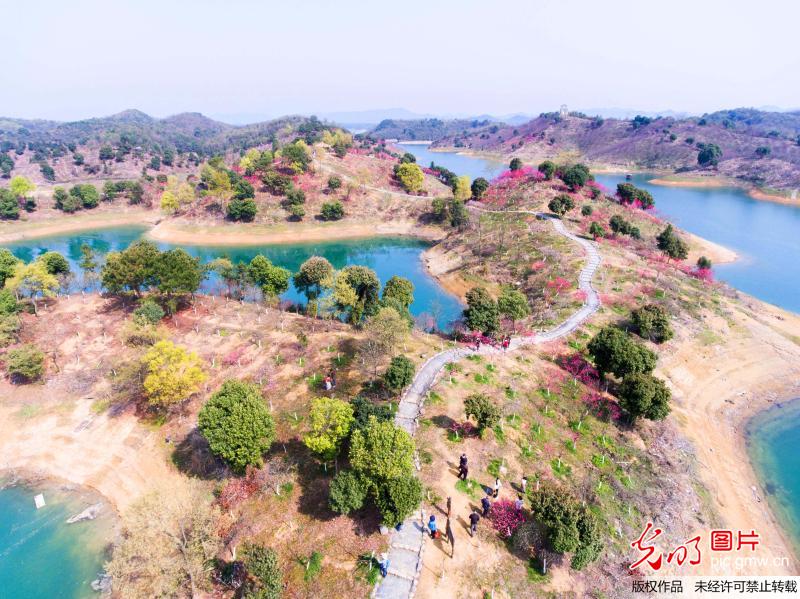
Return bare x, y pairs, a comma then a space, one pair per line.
443, 421
193, 457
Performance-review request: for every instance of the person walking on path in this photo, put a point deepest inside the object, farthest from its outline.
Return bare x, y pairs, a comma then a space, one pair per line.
474, 518
518, 502
464, 473
524, 484
497, 485
384, 564
486, 505
449, 507
451, 538
432, 526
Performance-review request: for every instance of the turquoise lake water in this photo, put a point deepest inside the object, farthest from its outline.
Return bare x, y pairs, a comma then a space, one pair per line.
386, 256
766, 236
42, 557
773, 439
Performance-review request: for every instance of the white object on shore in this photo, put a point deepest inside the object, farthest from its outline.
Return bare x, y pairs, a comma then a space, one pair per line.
39, 501
90, 513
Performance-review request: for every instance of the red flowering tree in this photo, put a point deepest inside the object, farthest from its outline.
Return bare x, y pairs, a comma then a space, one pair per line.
505, 517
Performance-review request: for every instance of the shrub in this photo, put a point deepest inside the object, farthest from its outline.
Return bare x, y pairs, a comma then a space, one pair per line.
334, 182
480, 407
243, 209
294, 196
709, 154
652, 322
672, 245
399, 374
576, 176
505, 517
596, 230
25, 363
148, 313
297, 212
262, 565
276, 183
237, 425
332, 211
548, 169
479, 187
586, 210
515, 164
348, 492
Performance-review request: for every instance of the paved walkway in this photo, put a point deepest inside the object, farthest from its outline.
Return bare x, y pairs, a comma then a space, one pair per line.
407, 544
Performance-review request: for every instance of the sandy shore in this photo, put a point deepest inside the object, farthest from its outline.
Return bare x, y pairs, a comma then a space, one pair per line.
743, 365
69, 224
721, 182
718, 254
190, 234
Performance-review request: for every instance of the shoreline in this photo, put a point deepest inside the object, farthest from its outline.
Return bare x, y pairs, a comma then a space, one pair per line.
48, 229
720, 388
791, 404
271, 235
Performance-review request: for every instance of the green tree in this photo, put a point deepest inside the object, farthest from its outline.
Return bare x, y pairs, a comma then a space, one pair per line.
515, 164
381, 452
704, 263
630, 194
615, 352
397, 499
482, 313
561, 204
133, 269
479, 187
9, 205
242, 209
570, 527
296, 155
459, 217
643, 395
548, 169
332, 211
384, 332
410, 177
8, 264
173, 374
586, 210
262, 564
272, 280
55, 263
480, 407
25, 364
330, 421
709, 155
596, 230
513, 305
178, 273
237, 424
408, 157
356, 292
652, 322
33, 280
400, 373
315, 275
20, 187
462, 190
576, 176
672, 245
106, 153
399, 290
348, 492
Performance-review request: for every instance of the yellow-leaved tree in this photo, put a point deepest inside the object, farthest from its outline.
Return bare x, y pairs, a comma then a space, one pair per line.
176, 195
462, 190
33, 280
173, 374
330, 421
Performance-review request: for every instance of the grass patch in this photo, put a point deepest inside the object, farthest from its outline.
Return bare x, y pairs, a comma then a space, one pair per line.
312, 564
482, 379
469, 487
494, 467
560, 468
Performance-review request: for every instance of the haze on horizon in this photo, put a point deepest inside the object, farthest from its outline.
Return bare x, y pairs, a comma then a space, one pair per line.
89, 58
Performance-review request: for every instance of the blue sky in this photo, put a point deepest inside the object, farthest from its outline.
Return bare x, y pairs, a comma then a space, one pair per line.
68, 60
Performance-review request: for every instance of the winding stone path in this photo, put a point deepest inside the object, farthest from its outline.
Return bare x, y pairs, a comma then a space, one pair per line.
407, 544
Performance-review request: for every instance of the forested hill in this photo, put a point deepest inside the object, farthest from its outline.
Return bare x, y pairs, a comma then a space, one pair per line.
119, 146
430, 129
183, 133
762, 148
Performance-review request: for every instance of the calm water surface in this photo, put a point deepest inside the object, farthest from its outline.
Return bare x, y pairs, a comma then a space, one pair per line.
42, 557
387, 256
